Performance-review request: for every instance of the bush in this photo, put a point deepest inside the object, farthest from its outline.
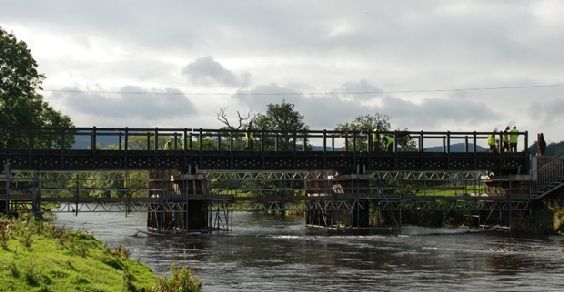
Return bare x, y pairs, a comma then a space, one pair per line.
24, 231
32, 276
128, 279
5, 233
14, 271
181, 280
120, 252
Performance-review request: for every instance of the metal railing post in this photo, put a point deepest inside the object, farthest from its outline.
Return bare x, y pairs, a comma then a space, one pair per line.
156, 139
185, 140
93, 139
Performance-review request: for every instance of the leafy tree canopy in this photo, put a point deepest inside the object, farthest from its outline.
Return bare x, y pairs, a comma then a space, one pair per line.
21, 106
374, 123
282, 117
367, 123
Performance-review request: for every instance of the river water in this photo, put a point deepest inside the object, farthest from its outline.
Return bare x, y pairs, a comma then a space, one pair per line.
270, 253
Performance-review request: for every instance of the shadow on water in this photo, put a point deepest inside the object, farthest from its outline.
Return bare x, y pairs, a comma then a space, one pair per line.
270, 253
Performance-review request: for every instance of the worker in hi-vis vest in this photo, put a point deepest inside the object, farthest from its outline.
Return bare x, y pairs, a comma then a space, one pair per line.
376, 140
389, 142
514, 139
491, 141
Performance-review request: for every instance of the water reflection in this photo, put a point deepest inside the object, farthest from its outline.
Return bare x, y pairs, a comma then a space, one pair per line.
266, 253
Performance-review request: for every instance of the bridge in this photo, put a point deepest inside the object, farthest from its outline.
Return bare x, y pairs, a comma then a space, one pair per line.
334, 177
230, 149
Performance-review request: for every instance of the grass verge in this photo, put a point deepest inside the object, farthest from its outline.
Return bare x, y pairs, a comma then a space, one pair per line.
37, 256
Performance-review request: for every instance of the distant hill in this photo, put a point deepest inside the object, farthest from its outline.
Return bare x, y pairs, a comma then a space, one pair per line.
552, 149
458, 147
83, 142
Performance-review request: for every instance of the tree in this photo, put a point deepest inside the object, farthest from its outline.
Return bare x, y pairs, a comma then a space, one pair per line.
284, 119
21, 105
375, 124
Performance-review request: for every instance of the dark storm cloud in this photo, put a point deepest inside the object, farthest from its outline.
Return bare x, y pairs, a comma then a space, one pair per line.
131, 102
208, 72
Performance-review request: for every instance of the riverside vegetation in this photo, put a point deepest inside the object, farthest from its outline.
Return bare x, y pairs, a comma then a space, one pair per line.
38, 256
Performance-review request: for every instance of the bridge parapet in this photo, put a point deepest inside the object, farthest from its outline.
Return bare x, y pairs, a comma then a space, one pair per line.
186, 148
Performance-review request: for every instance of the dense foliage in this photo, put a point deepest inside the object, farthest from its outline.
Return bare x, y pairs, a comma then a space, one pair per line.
373, 126
284, 118
21, 105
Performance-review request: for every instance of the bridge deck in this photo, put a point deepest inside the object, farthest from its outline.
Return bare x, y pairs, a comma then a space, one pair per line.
259, 160
226, 149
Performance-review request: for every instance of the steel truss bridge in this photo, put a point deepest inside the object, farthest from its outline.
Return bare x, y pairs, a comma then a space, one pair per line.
230, 149
106, 170
128, 191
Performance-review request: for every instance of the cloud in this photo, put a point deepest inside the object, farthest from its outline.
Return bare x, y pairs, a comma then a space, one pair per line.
129, 102
329, 110
434, 111
549, 111
208, 72
330, 46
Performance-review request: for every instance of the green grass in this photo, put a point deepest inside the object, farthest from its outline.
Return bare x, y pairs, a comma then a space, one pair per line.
36, 256
449, 191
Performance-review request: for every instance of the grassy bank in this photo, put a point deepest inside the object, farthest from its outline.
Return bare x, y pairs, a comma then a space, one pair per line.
37, 256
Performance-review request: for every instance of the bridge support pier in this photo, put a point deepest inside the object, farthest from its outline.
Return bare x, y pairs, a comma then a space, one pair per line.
182, 203
336, 201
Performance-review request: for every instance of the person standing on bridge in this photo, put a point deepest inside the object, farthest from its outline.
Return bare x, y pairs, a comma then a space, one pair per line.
506, 140
249, 135
491, 141
376, 139
389, 142
514, 139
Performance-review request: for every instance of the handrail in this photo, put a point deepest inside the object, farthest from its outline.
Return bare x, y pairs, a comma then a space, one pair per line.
546, 178
360, 140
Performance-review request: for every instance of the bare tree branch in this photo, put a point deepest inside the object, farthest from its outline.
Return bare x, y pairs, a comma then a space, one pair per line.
222, 117
242, 118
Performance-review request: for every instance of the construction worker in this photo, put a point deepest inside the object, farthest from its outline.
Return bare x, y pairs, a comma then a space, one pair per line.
389, 142
249, 135
491, 141
167, 145
506, 140
514, 139
376, 139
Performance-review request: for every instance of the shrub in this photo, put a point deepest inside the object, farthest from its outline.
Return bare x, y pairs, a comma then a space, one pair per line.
120, 252
128, 279
14, 271
181, 280
32, 276
79, 247
5, 233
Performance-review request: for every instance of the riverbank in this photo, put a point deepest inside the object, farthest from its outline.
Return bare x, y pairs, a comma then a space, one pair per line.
263, 251
36, 255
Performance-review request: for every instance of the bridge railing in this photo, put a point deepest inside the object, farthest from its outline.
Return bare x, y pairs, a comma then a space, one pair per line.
547, 178
202, 139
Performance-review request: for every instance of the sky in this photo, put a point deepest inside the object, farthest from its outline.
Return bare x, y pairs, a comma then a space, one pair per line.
171, 63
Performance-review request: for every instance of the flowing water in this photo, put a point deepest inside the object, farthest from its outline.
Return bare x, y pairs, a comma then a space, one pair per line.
270, 253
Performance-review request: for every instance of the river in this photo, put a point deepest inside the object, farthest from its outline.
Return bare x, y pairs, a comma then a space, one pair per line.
270, 253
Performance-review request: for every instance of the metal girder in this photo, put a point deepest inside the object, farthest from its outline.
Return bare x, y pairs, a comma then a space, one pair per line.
98, 159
